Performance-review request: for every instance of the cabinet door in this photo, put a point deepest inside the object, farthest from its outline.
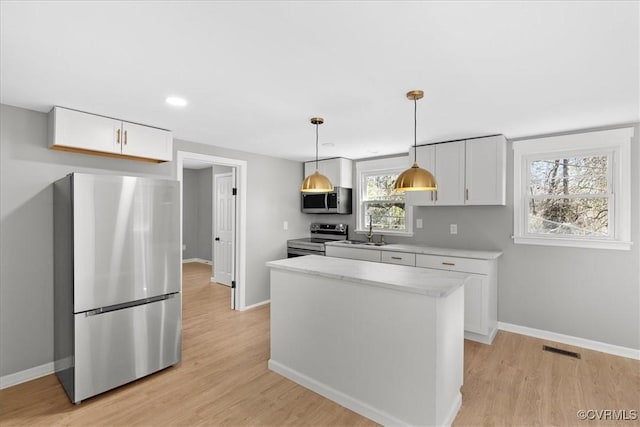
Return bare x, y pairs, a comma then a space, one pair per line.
146, 142
338, 171
353, 253
346, 173
475, 289
426, 159
75, 129
449, 173
486, 171
327, 168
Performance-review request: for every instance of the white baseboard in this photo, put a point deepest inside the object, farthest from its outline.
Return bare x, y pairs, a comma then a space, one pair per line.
213, 280
200, 260
335, 395
453, 411
484, 339
570, 340
249, 307
26, 375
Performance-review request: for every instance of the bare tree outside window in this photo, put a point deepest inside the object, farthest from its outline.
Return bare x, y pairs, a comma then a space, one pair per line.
383, 206
570, 196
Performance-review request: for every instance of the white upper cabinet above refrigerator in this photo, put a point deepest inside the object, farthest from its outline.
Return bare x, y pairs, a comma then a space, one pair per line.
77, 131
146, 141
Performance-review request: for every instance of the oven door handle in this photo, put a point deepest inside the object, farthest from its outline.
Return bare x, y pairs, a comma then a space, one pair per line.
301, 252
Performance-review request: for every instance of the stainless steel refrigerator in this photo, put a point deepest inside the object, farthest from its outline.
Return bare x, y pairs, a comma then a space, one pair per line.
117, 267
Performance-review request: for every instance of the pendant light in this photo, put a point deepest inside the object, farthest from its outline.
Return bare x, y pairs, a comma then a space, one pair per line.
415, 178
316, 182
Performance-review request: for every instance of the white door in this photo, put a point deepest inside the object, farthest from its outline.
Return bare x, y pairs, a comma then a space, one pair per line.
224, 226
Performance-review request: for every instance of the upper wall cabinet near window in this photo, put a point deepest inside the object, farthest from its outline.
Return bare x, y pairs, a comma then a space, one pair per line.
446, 162
339, 171
468, 172
486, 171
76, 131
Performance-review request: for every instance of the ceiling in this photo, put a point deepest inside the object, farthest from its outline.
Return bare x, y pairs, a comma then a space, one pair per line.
254, 73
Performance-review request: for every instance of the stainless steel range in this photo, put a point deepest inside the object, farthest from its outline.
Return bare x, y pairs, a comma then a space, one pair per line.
314, 245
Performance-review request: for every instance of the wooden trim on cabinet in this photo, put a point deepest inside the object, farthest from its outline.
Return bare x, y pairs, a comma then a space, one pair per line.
105, 154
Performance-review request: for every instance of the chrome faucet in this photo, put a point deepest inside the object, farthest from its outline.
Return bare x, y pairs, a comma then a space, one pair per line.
370, 234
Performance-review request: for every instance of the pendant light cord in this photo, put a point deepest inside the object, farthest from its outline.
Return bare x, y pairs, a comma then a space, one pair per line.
316, 146
415, 130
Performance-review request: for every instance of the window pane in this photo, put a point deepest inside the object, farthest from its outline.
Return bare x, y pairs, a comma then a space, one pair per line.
571, 175
385, 216
574, 216
380, 187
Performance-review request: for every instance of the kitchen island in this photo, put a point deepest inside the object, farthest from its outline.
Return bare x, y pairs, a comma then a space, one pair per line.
385, 341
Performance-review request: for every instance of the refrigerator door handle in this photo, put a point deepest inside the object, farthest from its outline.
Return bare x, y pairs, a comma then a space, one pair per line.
115, 307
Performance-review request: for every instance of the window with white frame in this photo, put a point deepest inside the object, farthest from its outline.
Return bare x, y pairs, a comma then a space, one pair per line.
573, 190
377, 204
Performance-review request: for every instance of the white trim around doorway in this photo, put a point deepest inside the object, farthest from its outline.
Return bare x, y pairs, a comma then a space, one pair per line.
241, 214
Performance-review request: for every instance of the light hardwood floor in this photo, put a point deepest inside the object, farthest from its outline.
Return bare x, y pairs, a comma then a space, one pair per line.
223, 380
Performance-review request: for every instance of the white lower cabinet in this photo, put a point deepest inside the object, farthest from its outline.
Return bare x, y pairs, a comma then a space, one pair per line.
475, 319
353, 253
401, 258
480, 293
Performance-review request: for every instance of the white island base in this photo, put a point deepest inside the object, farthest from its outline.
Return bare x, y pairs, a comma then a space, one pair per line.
385, 341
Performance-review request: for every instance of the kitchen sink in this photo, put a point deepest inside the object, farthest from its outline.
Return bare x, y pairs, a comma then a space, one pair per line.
360, 242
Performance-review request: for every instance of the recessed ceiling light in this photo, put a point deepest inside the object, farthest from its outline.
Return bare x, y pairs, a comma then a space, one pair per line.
178, 102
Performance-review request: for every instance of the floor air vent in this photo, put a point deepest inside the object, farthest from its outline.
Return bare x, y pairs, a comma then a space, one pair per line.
561, 351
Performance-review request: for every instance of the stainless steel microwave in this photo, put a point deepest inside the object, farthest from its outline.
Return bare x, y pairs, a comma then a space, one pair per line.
337, 201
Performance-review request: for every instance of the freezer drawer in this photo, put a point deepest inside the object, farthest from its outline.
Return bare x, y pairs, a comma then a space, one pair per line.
116, 347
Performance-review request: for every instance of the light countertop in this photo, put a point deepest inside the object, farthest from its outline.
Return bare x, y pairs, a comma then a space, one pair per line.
424, 281
420, 249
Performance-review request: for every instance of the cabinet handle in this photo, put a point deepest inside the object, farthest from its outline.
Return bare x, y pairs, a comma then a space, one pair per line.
396, 257
466, 194
125, 137
118, 136
436, 191
432, 196
448, 263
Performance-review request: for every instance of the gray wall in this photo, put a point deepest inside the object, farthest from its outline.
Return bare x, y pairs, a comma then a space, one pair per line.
28, 169
190, 214
198, 211
587, 293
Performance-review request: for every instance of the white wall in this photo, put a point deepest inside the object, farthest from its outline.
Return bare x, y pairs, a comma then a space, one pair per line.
28, 169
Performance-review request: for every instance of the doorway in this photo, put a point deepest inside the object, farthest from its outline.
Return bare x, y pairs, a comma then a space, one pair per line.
235, 223
223, 227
